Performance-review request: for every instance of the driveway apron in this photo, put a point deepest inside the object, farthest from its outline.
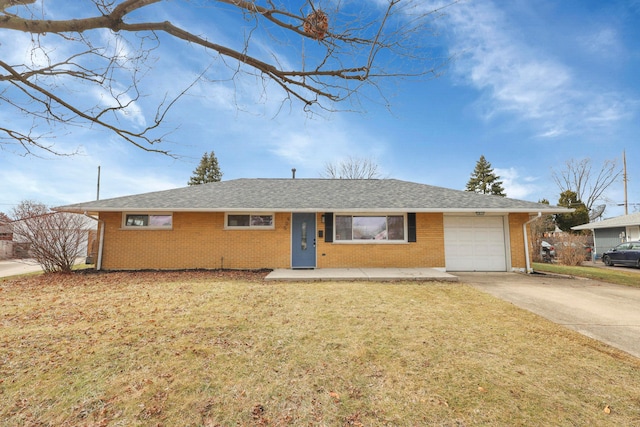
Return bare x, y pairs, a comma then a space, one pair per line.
606, 312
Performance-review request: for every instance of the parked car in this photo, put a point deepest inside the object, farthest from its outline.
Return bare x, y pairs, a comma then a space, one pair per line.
627, 253
547, 251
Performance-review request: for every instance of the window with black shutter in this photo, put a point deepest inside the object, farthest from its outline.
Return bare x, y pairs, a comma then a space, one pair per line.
411, 227
328, 227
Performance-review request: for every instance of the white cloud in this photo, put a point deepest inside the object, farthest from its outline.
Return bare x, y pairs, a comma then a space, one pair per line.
603, 42
314, 143
216, 95
520, 78
515, 186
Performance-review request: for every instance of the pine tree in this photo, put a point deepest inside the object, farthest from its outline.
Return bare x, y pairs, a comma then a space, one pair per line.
207, 171
484, 181
569, 199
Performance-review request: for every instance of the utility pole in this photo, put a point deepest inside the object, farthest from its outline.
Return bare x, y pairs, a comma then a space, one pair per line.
98, 190
624, 179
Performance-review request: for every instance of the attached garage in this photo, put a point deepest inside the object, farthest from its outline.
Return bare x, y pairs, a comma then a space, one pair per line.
475, 243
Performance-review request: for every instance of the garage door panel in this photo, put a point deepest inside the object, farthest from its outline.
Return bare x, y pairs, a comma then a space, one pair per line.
475, 243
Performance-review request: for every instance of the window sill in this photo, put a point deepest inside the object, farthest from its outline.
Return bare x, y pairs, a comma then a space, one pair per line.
146, 228
370, 242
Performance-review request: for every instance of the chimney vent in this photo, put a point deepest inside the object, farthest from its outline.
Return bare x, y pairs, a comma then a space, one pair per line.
293, 173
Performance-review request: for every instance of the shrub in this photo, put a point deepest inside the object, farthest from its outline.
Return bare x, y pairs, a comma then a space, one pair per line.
54, 239
572, 250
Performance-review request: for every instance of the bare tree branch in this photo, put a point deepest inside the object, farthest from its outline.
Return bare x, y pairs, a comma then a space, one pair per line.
352, 168
362, 43
578, 176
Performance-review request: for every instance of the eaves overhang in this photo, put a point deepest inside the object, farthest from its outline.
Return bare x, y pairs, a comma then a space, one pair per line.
475, 211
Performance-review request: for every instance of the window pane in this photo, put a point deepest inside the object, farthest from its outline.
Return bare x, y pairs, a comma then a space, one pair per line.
160, 220
262, 220
343, 227
369, 228
137, 220
395, 226
238, 220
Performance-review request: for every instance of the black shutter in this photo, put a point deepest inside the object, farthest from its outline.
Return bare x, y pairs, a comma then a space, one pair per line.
328, 227
411, 225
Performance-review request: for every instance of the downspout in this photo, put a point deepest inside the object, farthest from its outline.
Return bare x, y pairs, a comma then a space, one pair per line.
101, 241
526, 243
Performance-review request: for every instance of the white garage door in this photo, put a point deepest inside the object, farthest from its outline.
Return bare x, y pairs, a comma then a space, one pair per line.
474, 243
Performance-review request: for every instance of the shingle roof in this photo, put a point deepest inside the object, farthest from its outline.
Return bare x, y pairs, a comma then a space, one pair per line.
618, 221
313, 195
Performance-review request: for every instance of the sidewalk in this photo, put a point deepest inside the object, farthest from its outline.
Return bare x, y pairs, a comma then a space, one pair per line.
14, 267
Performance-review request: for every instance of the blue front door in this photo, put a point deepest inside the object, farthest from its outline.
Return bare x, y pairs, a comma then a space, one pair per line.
303, 240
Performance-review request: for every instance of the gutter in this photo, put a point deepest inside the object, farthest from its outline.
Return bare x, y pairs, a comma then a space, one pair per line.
100, 242
453, 211
529, 270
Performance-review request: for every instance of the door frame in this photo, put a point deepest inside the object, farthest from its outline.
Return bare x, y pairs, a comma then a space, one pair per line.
311, 240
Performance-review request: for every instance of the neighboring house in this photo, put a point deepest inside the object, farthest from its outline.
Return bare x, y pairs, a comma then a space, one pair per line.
21, 245
313, 223
5, 231
6, 237
613, 231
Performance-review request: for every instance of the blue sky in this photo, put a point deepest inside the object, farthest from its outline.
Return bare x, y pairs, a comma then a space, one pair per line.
533, 85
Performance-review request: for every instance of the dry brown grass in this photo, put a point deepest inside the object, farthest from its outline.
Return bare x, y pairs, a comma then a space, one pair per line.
207, 349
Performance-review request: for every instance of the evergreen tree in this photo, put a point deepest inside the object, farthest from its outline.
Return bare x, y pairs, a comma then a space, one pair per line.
207, 171
569, 199
484, 181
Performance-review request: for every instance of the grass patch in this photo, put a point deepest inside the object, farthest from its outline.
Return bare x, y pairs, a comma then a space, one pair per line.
619, 277
199, 349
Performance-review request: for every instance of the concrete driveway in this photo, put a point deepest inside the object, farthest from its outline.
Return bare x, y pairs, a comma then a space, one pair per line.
606, 312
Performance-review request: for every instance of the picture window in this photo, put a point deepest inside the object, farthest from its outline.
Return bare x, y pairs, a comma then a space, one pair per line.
375, 229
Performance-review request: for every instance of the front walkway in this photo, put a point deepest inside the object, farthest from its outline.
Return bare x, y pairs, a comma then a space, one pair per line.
373, 274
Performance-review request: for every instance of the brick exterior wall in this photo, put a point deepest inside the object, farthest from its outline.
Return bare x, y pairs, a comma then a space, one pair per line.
199, 240
516, 240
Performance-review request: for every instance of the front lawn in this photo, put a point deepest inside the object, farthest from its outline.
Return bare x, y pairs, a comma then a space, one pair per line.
610, 275
207, 349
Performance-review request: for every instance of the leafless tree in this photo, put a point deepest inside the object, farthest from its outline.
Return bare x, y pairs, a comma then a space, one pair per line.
588, 183
352, 168
86, 65
539, 229
55, 239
